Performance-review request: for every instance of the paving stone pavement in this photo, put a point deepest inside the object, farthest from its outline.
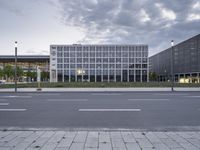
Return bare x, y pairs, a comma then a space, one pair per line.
98, 140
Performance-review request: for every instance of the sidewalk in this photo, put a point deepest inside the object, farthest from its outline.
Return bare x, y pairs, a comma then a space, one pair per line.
99, 89
98, 140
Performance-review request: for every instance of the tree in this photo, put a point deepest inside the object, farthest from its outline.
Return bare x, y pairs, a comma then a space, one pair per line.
153, 76
31, 75
8, 71
1, 73
44, 76
20, 72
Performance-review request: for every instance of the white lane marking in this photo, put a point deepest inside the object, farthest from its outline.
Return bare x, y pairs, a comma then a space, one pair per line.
194, 96
170, 94
148, 99
109, 110
43, 94
4, 104
106, 94
15, 96
67, 100
2, 99
13, 109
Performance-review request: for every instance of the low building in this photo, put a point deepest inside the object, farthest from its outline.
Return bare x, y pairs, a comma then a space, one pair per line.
28, 63
98, 63
183, 59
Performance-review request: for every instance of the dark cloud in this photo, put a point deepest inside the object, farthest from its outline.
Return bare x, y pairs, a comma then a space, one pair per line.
132, 21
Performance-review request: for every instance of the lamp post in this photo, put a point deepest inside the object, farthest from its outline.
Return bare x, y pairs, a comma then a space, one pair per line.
172, 66
15, 66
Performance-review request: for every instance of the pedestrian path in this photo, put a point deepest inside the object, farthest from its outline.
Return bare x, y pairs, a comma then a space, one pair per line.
98, 140
126, 89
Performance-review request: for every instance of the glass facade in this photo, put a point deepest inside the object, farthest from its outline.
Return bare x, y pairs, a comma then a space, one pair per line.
28, 63
99, 63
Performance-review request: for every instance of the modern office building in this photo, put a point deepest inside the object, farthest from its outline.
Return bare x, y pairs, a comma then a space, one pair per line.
183, 58
98, 63
26, 62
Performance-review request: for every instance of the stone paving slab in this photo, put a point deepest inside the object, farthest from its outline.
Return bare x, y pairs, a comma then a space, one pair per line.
99, 140
125, 89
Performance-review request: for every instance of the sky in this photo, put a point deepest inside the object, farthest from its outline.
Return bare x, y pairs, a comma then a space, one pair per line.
36, 24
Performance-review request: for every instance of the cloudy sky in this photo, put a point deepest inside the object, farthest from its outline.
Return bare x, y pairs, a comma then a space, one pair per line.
36, 24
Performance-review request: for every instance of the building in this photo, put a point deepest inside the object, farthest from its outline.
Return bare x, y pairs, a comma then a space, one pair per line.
185, 62
28, 63
98, 63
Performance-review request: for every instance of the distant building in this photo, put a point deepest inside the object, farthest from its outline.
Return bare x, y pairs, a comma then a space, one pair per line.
28, 63
98, 63
186, 62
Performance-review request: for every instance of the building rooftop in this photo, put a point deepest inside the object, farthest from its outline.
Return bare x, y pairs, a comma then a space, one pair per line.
23, 58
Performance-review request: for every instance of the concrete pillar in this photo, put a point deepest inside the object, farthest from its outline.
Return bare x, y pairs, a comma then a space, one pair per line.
134, 75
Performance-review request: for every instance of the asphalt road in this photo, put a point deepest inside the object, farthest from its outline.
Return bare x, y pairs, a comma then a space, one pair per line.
127, 110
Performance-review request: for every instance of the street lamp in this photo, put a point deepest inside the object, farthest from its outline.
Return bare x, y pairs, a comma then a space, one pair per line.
172, 66
15, 66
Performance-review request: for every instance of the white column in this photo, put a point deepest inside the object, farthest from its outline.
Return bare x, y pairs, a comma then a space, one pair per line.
134, 51
108, 64
63, 67
148, 65
121, 64
82, 49
69, 64
95, 72
101, 64
115, 72
128, 64
75, 63
178, 77
89, 50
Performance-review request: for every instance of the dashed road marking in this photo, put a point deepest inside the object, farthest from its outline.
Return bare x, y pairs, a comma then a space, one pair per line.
15, 96
171, 94
4, 104
194, 96
110, 110
13, 109
148, 99
67, 100
105, 94
3, 99
43, 94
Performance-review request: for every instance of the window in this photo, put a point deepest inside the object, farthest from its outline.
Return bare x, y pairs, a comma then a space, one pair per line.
72, 60
60, 60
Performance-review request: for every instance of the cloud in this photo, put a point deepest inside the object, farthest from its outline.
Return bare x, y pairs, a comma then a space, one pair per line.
194, 14
193, 17
144, 16
124, 21
154, 23
166, 13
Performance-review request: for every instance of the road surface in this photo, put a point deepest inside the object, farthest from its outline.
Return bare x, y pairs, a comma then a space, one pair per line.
97, 110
